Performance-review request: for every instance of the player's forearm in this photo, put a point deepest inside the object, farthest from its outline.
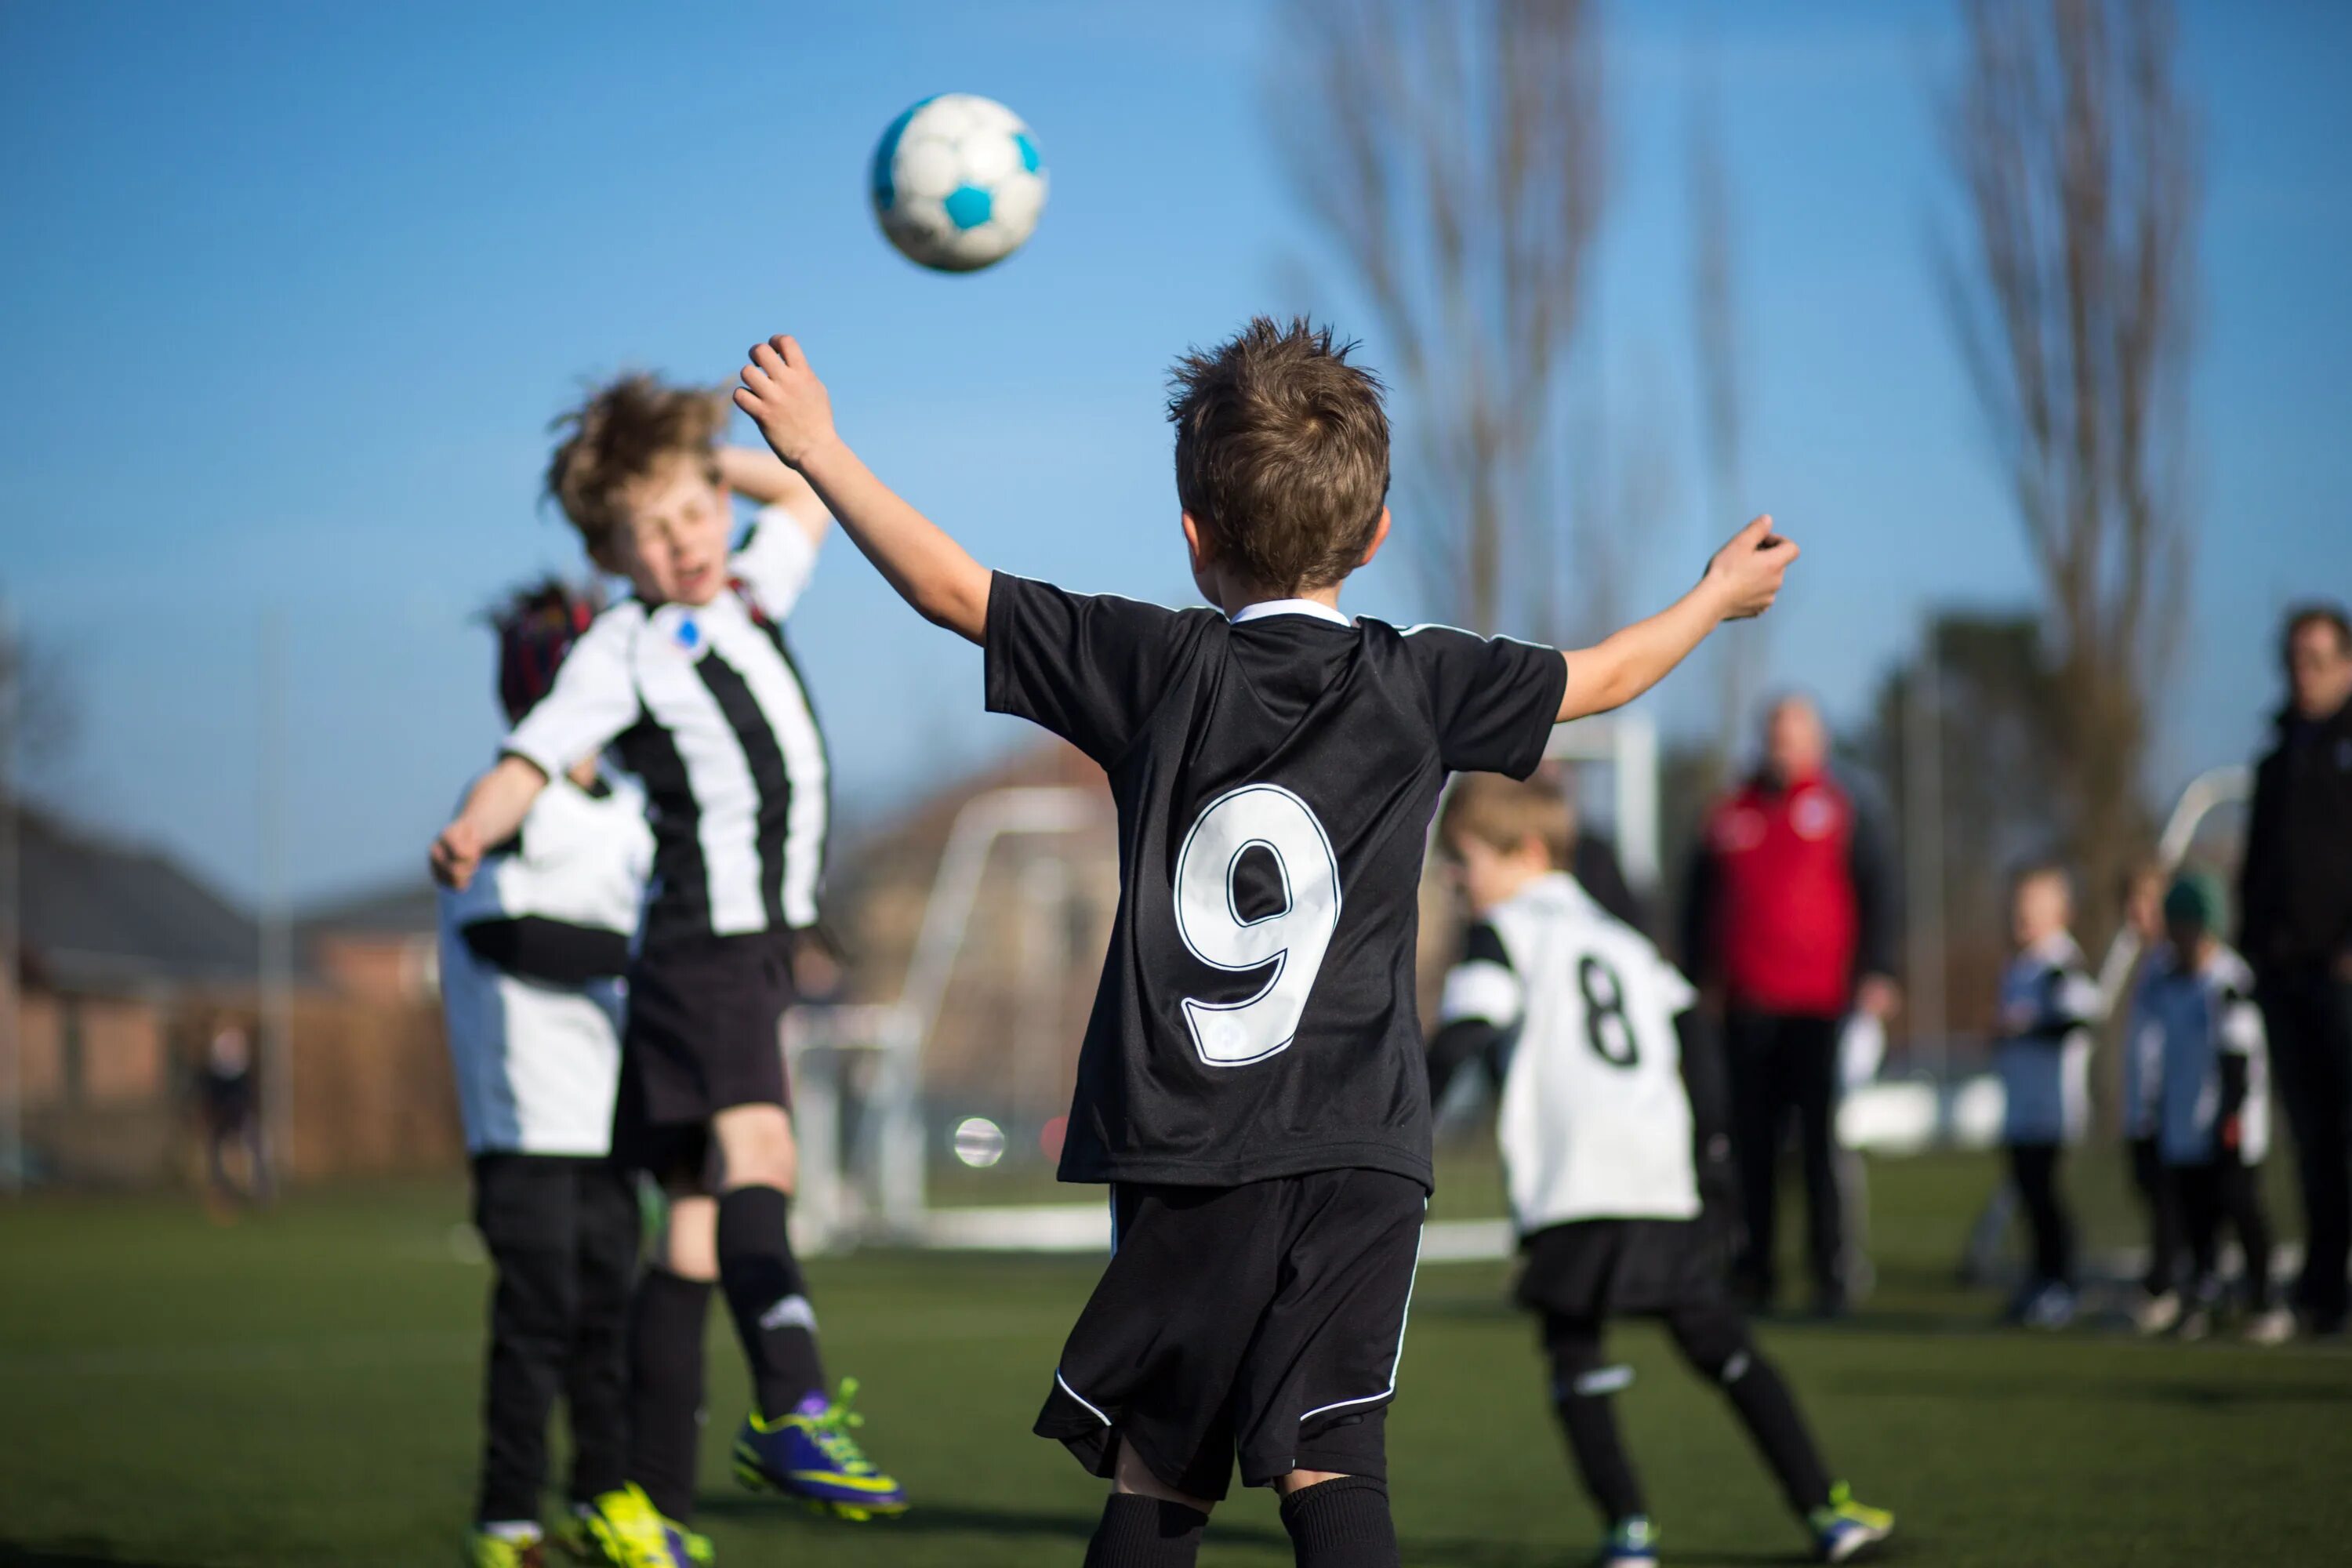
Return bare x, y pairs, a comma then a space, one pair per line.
1626, 663
503, 798
930, 571
766, 480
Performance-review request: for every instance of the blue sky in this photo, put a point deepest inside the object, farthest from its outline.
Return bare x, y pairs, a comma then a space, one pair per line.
290, 293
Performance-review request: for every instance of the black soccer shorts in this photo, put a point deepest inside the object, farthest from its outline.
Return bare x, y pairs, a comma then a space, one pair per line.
704, 1035
1265, 1319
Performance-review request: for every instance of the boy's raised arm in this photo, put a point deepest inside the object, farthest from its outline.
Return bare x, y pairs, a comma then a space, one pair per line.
930, 571
1740, 582
764, 481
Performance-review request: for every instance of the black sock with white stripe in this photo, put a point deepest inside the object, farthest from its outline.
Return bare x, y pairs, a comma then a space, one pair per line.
769, 1303
1343, 1523
1145, 1532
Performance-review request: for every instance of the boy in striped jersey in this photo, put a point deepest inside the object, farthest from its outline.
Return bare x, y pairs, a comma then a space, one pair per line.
1618, 1169
691, 680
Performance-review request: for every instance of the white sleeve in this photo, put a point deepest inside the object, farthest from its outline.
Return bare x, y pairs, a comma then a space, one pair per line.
2239, 1025
594, 699
1481, 990
1675, 988
776, 560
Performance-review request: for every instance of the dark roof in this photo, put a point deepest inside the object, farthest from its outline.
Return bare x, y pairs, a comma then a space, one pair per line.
406, 908
100, 915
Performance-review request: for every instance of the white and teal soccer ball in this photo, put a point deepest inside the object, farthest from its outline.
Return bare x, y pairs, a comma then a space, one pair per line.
958, 184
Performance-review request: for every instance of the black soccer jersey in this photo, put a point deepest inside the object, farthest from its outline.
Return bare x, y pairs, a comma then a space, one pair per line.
1275, 776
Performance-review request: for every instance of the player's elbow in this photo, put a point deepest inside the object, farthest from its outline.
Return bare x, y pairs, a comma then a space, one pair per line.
956, 602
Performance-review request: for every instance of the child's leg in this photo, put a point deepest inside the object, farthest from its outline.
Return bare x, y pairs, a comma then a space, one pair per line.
595, 1380
2241, 1193
757, 1272
666, 1319
1581, 1385
1757, 1121
2201, 1224
2155, 1185
1339, 1522
523, 1208
1145, 1522
1715, 1340
2034, 1169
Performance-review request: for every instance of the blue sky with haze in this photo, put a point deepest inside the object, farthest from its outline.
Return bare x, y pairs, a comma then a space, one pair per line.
290, 293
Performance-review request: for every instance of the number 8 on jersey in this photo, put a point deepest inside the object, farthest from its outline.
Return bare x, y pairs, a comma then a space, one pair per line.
1293, 939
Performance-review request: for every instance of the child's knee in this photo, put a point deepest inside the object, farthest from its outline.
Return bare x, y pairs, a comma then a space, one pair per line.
756, 1147
1715, 1341
690, 1241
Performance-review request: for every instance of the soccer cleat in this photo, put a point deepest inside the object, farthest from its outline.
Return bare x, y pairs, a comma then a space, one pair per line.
1632, 1544
810, 1454
1845, 1529
2273, 1327
575, 1536
2156, 1314
2196, 1323
485, 1549
627, 1533
2050, 1307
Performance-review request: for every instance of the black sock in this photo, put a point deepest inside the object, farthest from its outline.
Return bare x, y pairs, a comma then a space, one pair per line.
1769, 1410
665, 1323
1145, 1532
1590, 1423
764, 1291
1343, 1523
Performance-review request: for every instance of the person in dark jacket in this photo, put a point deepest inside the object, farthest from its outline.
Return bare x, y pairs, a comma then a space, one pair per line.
2295, 892
1789, 922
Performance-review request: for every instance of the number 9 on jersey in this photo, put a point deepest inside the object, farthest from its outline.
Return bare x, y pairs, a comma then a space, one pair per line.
1293, 939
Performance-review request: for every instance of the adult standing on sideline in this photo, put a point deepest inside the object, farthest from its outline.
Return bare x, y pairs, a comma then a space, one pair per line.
1789, 924
2295, 892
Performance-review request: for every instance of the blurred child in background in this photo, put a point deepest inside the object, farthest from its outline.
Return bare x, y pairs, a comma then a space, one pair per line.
2215, 1114
2142, 1078
2048, 1004
1611, 1129
532, 951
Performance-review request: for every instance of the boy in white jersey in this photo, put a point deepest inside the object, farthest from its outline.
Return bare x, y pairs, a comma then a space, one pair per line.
2214, 1112
1250, 1080
531, 957
1611, 1126
2047, 1004
691, 681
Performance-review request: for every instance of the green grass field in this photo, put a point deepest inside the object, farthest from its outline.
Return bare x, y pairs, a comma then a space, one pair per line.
300, 1388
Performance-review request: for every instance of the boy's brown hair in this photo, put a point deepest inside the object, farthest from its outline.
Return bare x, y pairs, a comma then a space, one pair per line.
625, 430
1504, 814
1282, 453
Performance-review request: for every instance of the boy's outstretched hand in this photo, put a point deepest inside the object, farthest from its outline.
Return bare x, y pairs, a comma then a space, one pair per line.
1746, 573
785, 399
455, 855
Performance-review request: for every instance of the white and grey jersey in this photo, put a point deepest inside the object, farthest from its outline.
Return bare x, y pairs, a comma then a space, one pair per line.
2049, 1003
1595, 1121
2205, 1016
531, 956
706, 706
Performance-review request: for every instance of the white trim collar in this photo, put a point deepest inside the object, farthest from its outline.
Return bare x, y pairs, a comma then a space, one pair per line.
1264, 607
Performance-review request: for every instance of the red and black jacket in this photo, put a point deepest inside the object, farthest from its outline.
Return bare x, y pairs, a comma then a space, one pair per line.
1788, 903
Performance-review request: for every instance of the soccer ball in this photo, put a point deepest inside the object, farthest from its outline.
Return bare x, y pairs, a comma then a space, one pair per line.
957, 182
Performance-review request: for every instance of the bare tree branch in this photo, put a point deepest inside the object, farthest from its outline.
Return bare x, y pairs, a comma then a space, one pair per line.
1452, 153
2072, 301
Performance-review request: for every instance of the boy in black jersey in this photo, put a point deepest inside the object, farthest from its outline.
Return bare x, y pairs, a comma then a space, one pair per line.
1251, 1082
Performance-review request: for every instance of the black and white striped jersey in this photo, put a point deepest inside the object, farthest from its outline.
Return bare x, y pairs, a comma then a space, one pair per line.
531, 956
706, 706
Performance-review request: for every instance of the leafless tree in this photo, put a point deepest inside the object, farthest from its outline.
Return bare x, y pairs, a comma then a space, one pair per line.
2073, 298
1450, 151
37, 713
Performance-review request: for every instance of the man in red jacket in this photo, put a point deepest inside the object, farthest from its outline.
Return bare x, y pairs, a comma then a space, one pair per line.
1788, 926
